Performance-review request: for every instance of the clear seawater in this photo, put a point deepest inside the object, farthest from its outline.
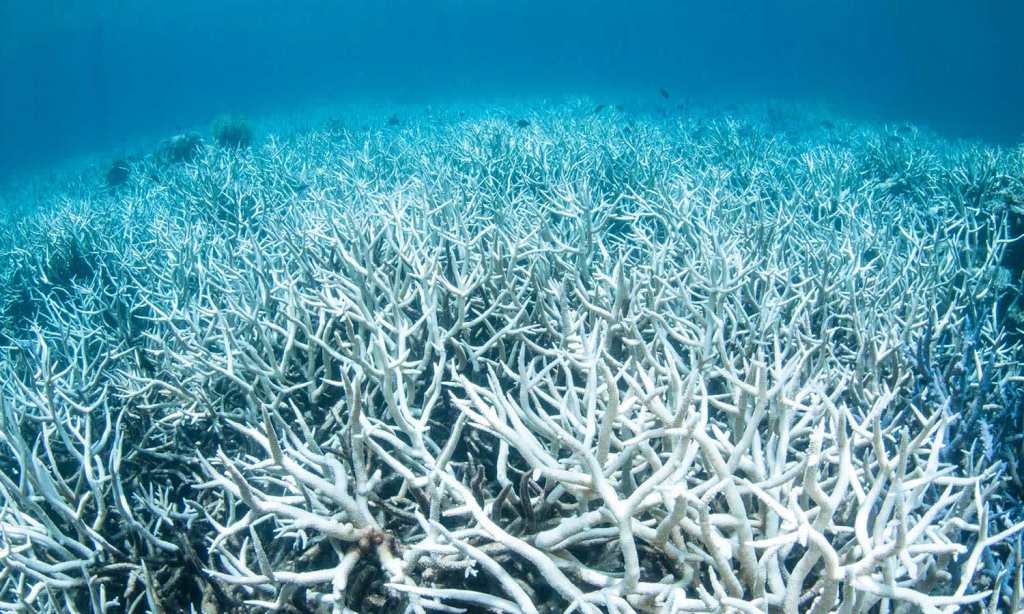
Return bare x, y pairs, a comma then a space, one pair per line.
86, 76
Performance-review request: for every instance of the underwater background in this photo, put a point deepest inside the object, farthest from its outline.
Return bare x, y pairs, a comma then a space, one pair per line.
82, 76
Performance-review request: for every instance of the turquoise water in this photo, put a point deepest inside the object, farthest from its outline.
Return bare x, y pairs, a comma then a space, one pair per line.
86, 76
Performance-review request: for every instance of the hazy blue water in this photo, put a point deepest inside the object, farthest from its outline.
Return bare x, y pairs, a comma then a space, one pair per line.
80, 76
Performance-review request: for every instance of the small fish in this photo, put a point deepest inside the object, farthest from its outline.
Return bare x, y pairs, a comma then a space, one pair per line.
599, 108
523, 123
664, 93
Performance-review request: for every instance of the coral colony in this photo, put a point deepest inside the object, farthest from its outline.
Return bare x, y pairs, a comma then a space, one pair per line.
569, 358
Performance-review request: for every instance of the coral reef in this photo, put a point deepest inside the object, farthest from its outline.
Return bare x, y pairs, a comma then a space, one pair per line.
118, 173
187, 147
615, 362
232, 132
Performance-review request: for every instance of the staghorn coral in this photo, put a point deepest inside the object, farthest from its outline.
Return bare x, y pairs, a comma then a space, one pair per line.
610, 363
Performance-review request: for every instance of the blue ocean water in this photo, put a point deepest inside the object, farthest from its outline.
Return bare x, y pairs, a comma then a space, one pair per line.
81, 76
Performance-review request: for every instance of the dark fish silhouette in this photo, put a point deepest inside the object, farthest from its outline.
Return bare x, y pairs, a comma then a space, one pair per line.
664, 93
599, 108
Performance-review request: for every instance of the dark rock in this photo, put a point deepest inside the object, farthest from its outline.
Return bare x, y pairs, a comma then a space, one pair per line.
118, 173
181, 148
232, 132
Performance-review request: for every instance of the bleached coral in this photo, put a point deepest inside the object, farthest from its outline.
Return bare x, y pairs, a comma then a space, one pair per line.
596, 363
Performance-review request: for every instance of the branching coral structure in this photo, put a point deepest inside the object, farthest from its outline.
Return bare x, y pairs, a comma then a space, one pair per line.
585, 363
